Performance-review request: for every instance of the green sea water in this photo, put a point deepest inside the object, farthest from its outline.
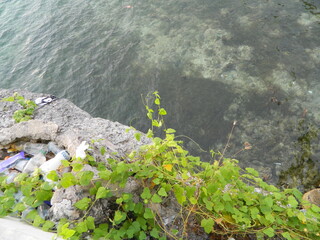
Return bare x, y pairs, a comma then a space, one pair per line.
214, 62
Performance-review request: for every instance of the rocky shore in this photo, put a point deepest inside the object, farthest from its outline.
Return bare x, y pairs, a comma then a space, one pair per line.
67, 125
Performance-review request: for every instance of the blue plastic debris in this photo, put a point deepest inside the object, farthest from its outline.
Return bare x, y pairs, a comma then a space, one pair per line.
5, 164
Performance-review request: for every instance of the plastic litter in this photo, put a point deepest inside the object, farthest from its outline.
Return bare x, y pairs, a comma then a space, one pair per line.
35, 148
18, 196
35, 162
5, 164
52, 147
43, 210
80, 151
54, 163
45, 100
20, 165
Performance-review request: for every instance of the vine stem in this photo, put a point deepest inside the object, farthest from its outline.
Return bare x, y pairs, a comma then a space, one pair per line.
229, 138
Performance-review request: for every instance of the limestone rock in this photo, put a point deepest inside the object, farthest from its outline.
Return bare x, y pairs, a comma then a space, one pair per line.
313, 196
67, 125
32, 129
63, 200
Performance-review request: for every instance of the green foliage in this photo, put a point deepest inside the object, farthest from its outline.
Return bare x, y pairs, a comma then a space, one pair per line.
28, 108
220, 197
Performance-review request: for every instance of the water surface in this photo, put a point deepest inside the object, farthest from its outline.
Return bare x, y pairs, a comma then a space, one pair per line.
213, 62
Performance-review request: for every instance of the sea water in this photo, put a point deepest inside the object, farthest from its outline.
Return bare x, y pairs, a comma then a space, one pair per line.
250, 68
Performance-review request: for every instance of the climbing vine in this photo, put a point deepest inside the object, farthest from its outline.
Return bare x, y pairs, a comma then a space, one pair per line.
28, 107
213, 198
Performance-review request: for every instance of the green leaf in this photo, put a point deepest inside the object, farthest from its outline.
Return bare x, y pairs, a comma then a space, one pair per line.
209, 204
150, 133
148, 214
290, 212
37, 221
226, 197
154, 233
105, 175
66, 232
47, 186
292, 201
138, 208
67, 180
302, 217
174, 231
193, 200
102, 192
207, 224
185, 175
218, 206
170, 130
8, 99
90, 223
65, 163
254, 211
26, 190
157, 101
142, 235
252, 171
142, 222
286, 235
162, 111
134, 228
315, 208
32, 214
85, 177
297, 193
29, 200
43, 195
76, 167
156, 181
20, 177
268, 201
149, 115
270, 217
53, 175
102, 151
179, 194
119, 201
155, 123
265, 209
126, 197
47, 225
156, 199
119, 216
162, 192
146, 193
101, 231
137, 136
83, 204
81, 227
19, 207
269, 232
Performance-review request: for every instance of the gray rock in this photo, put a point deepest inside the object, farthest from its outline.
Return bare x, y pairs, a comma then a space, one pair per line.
67, 125
62, 203
32, 129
